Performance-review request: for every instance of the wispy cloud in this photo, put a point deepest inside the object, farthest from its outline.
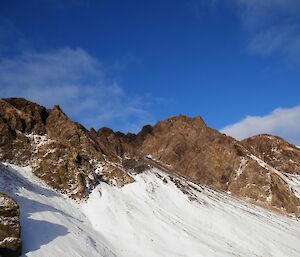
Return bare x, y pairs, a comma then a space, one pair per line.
283, 122
78, 82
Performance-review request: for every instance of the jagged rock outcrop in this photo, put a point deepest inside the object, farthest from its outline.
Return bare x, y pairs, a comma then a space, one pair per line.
10, 242
60, 151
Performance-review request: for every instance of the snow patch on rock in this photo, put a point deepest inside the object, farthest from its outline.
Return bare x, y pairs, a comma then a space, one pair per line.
38, 140
243, 164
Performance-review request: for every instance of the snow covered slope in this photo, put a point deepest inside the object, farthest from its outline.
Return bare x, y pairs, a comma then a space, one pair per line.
52, 225
153, 217
156, 216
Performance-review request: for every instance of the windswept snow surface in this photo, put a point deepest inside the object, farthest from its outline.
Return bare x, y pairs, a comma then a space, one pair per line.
156, 216
51, 224
153, 217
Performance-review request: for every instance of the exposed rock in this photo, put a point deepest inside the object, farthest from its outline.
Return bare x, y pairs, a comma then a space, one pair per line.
114, 144
275, 151
61, 152
193, 150
24, 116
10, 242
115, 176
17, 118
136, 166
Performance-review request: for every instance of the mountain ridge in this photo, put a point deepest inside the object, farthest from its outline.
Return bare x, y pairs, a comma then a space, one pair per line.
73, 159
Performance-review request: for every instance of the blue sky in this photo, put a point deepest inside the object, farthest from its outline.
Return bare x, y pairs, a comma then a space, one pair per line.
124, 64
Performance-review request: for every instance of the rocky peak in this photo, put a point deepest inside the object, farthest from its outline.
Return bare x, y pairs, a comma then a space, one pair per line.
147, 129
181, 122
194, 150
18, 118
22, 115
60, 151
60, 127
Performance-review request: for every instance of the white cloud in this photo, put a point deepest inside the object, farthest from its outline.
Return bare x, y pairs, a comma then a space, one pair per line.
283, 122
75, 80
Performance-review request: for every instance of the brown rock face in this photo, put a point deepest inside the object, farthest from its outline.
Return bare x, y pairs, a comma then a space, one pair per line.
113, 144
10, 243
61, 152
195, 151
275, 151
17, 118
